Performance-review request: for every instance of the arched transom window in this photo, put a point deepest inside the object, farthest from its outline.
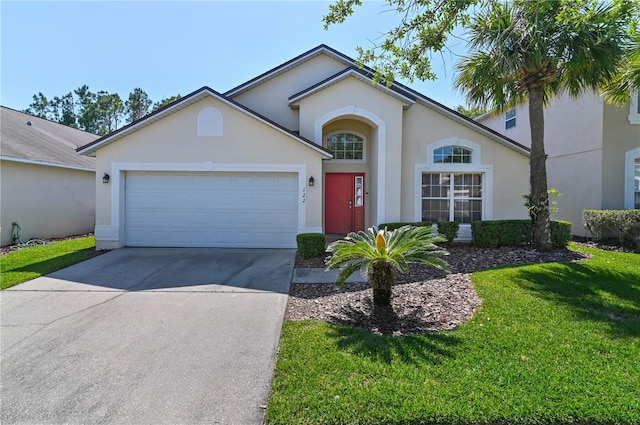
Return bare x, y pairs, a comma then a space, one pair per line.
452, 155
346, 146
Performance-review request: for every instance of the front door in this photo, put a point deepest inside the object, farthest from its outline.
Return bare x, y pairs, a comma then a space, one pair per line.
344, 202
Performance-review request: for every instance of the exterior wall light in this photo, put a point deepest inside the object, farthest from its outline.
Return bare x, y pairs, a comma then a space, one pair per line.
106, 178
311, 181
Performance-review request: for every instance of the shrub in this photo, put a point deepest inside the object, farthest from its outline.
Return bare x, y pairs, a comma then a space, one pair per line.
449, 229
396, 225
560, 233
495, 233
623, 224
311, 244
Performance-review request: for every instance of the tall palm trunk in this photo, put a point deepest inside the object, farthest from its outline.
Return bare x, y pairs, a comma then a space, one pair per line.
382, 278
539, 202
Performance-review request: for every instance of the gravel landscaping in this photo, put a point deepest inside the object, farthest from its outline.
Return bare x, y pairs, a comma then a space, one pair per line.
425, 299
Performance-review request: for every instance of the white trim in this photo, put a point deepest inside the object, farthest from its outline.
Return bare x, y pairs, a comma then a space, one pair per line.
629, 175
634, 113
406, 101
476, 149
281, 69
474, 167
382, 147
349, 161
107, 237
45, 163
310, 230
118, 170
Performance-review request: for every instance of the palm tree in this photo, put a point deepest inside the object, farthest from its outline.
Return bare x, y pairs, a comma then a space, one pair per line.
618, 90
379, 253
537, 49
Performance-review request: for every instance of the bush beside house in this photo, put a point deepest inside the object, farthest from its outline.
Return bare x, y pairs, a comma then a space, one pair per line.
622, 224
496, 233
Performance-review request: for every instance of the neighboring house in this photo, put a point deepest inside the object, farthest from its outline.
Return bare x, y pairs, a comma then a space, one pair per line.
593, 152
45, 187
309, 146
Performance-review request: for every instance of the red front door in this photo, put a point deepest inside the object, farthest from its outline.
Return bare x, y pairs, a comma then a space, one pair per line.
344, 202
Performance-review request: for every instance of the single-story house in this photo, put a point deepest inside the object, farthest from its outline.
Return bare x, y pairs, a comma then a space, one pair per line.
45, 187
311, 145
593, 152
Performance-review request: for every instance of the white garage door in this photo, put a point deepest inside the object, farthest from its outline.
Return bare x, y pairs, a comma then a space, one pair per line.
254, 210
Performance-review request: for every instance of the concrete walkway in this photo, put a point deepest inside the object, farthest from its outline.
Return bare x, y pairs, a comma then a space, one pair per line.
313, 275
145, 336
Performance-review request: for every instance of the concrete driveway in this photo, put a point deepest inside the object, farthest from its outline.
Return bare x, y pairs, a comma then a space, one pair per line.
145, 336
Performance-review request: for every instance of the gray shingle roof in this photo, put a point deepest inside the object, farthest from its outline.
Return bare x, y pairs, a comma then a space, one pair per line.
42, 141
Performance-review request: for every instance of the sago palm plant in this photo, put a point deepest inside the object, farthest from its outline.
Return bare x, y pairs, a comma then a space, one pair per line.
379, 253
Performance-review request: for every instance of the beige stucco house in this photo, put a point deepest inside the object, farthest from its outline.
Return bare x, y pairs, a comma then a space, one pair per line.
309, 146
593, 152
45, 187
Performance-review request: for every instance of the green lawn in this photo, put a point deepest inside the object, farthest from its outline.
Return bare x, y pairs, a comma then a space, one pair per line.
29, 263
551, 344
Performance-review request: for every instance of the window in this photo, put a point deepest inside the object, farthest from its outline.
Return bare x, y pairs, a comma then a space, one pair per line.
452, 197
359, 195
452, 155
510, 119
346, 146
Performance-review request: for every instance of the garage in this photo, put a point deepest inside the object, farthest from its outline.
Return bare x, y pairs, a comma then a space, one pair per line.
211, 209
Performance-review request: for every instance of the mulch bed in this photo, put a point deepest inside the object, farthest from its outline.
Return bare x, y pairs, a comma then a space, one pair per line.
425, 299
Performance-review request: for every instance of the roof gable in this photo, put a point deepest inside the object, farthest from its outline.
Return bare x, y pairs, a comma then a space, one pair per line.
292, 63
182, 103
29, 139
368, 73
352, 72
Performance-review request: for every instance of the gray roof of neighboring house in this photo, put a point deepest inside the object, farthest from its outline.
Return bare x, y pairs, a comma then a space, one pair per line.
43, 141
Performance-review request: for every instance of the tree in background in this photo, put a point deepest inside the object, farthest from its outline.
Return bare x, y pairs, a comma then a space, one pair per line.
137, 105
108, 110
87, 113
58, 109
471, 112
39, 106
98, 113
521, 49
64, 110
164, 102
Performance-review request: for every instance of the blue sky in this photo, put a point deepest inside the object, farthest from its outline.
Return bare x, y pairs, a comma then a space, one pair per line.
167, 48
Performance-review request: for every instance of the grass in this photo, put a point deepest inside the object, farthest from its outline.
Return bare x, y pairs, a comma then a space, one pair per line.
29, 263
551, 344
